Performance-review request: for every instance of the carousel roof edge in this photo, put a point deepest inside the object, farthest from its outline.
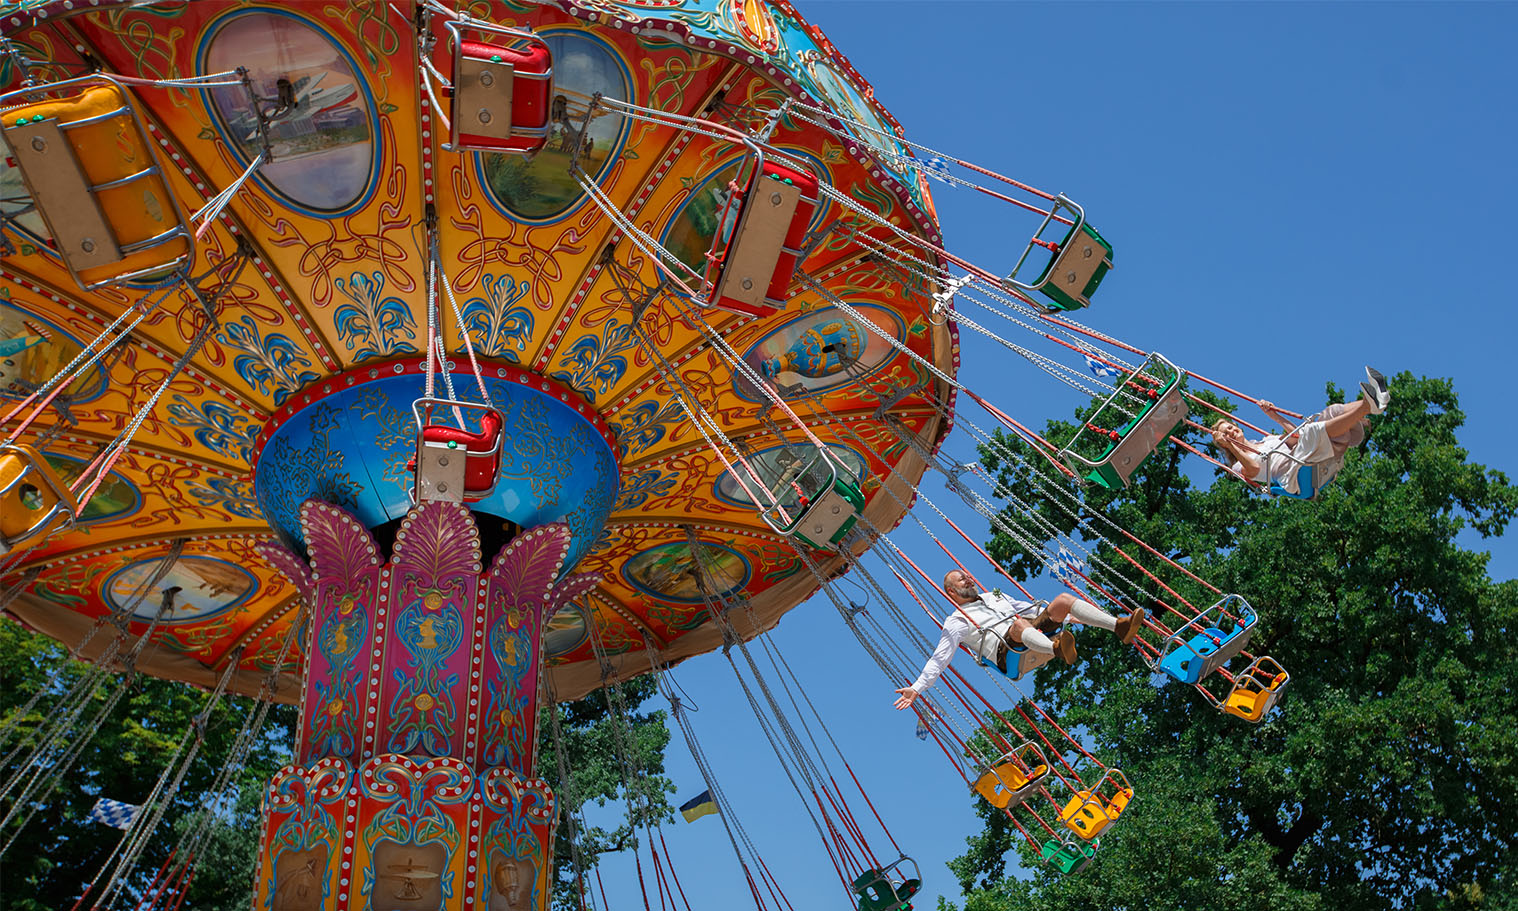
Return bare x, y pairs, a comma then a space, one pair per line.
66, 626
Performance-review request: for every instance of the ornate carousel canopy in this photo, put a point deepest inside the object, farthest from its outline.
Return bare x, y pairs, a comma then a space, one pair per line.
288, 369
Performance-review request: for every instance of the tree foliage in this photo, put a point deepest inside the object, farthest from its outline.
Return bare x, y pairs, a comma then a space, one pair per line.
59, 850
1388, 775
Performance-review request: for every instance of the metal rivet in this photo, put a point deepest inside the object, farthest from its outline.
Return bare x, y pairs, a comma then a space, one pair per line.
1070, 278
748, 284
774, 199
87, 245
38, 143
486, 78
1086, 252
484, 115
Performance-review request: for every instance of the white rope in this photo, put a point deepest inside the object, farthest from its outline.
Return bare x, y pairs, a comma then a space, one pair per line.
186, 82
108, 456
151, 811
88, 356
730, 822
458, 320
215, 204
794, 759
212, 811
569, 798
67, 712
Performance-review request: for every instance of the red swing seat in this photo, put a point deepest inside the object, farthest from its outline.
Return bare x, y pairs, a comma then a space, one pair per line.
752, 273
501, 94
439, 476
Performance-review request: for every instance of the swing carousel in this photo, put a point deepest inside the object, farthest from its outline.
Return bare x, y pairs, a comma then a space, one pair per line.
416, 364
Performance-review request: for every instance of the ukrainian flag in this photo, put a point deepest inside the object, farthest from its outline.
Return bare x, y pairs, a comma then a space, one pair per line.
698, 806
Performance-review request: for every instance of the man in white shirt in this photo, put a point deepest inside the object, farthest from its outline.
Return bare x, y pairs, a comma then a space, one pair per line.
990, 623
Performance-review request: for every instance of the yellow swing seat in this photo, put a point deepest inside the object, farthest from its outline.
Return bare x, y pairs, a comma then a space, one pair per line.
1014, 776
1091, 812
90, 169
34, 500
1256, 689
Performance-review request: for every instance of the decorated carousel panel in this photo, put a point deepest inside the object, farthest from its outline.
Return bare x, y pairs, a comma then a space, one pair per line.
475, 341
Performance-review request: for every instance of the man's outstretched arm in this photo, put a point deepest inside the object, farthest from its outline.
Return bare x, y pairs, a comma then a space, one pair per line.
954, 630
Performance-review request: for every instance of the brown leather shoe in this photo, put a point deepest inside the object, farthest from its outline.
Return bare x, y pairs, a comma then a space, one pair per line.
1129, 626
1001, 656
1045, 623
1064, 646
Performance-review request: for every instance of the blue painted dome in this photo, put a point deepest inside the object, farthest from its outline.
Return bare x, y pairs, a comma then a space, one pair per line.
348, 441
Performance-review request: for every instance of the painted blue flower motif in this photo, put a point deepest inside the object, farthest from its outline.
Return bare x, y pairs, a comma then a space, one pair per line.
216, 427
642, 487
498, 328
373, 325
394, 434
273, 365
314, 472
595, 363
605, 538
643, 425
236, 497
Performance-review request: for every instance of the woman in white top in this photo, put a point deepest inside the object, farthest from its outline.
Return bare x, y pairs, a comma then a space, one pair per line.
1322, 439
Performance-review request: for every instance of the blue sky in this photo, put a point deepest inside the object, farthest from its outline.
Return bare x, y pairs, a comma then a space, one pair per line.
1292, 191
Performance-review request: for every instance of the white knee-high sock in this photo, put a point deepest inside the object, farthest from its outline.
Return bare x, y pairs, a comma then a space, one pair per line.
1037, 641
1091, 615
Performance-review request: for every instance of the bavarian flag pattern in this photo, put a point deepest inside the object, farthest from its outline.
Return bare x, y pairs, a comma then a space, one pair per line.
113, 813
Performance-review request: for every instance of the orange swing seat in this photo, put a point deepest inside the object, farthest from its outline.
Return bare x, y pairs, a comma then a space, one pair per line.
94, 178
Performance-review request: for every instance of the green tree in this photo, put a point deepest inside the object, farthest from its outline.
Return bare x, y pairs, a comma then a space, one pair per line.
1388, 775
59, 851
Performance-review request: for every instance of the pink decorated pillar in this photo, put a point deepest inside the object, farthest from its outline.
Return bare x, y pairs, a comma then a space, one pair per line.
415, 782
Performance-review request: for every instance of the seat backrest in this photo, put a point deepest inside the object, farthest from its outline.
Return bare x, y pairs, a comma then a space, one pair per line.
483, 440
1027, 662
1244, 703
1306, 485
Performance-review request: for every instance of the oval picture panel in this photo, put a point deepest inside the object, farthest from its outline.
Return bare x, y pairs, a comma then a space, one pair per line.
114, 498
669, 573
33, 351
819, 351
323, 144
539, 187
207, 587
778, 467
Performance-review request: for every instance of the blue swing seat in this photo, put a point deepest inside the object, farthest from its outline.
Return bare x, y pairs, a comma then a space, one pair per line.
1306, 485
1021, 661
1185, 663
1209, 641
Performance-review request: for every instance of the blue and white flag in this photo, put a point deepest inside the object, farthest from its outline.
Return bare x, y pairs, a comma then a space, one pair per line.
1067, 566
113, 813
1100, 369
922, 729
938, 169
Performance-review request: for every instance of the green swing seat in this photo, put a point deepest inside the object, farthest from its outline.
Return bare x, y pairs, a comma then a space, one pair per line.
816, 504
1076, 266
1068, 855
888, 889
1109, 457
